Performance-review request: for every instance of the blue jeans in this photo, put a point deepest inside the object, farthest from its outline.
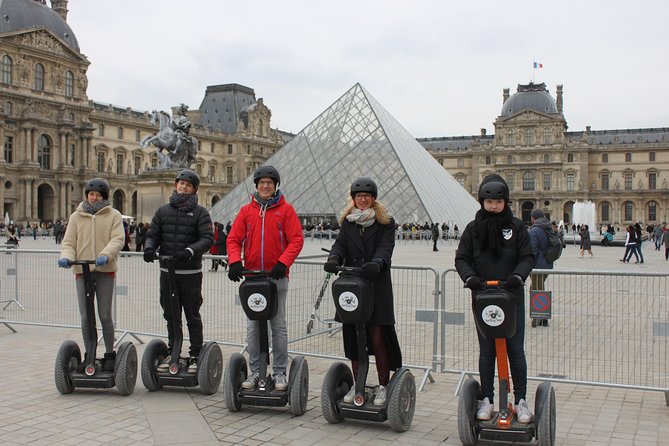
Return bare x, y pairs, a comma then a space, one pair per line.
516, 350
279, 334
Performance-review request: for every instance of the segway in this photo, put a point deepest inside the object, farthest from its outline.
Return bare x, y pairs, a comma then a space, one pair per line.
258, 296
353, 298
209, 361
70, 372
495, 317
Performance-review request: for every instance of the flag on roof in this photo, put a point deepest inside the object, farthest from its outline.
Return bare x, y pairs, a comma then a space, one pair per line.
538, 65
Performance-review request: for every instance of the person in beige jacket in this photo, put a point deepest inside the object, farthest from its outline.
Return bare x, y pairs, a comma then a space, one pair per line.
95, 231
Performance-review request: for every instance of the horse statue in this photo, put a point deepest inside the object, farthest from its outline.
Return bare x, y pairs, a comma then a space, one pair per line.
172, 137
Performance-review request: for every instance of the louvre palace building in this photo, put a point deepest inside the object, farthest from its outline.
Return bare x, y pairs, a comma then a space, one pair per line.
55, 138
623, 172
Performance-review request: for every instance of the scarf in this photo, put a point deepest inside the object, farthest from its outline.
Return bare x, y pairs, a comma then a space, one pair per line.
95, 207
268, 203
183, 202
489, 227
364, 218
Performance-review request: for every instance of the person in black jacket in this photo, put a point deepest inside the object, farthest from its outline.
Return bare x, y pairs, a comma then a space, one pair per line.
182, 228
367, 239
496, 246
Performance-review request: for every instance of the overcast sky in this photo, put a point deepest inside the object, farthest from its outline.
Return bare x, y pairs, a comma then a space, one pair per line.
438, 66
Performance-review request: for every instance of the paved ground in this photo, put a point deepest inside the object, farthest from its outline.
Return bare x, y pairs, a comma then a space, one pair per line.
34, 413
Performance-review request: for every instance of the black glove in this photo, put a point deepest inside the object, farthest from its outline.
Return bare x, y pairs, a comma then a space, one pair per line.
332, 264
473, 283
235, 272
372, 269
514, 281
278, 272
183, 255
149, 255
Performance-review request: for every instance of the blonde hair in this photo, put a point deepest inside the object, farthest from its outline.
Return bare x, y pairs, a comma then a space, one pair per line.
382, 213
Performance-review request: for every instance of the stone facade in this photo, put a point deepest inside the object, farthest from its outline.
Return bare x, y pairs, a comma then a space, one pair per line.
624, 172
55, 139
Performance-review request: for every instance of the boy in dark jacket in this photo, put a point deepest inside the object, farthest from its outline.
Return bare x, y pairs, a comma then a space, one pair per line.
539, 241
496, 246
182, 228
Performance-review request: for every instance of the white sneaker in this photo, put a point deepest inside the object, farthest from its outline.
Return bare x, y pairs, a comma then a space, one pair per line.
165, 365
280, 382
380, 397
523, 412
252, 381
348, 398
484, 409
192, 366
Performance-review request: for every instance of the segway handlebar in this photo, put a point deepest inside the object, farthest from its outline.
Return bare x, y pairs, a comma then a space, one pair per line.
81, 262
353, 270
255, 272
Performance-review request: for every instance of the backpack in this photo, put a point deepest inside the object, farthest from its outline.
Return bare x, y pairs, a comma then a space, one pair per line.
554, 247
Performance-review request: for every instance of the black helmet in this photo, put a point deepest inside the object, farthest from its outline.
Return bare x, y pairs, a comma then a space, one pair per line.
494, 187
364, 184
266, 172
190, 176
99, 185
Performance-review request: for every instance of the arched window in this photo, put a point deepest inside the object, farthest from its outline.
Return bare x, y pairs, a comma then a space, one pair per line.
44, 152
39, 77
101, 130
652, 211
69, 84
628, 211
6, 69
528, 180
528, 134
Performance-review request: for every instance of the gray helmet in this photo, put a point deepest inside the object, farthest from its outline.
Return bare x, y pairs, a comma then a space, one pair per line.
99, 185
190, 176
266, 172
366, 185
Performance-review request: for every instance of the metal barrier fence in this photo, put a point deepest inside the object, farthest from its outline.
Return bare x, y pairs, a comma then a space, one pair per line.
607, 328
45, 295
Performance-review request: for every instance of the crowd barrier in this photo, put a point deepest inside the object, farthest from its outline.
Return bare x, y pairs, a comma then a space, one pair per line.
43, 294
606, 328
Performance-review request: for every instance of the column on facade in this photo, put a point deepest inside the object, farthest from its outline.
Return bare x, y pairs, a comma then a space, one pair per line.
25, 152
60, 162
2, 140
33, 200
2, 196
33, 145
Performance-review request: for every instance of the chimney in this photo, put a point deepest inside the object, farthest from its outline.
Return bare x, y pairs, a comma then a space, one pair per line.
559, 98
60, 8
505, 95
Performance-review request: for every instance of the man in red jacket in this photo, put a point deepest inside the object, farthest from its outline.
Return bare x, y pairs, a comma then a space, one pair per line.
270, 234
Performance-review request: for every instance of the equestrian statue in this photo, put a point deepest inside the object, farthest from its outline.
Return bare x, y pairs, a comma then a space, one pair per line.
172, 137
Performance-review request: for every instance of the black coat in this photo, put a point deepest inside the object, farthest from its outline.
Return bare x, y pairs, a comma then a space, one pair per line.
355, 249
172, 230
514, 258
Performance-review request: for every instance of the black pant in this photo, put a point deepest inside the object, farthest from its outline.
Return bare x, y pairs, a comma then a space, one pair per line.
189, 291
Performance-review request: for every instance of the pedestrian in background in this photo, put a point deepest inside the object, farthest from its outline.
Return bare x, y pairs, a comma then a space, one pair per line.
435, 236
586, 244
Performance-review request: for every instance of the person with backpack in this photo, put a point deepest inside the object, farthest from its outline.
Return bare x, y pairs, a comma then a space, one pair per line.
540, 234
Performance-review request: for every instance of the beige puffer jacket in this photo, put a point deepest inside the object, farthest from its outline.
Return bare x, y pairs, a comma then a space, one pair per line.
89, 236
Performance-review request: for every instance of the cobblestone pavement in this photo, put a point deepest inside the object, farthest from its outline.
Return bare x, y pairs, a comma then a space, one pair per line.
35, 413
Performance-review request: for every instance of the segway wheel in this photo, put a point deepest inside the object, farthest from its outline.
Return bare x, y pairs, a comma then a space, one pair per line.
338, 380
299, 387
210, 368
235, 374
467, 412
402, 401
544, 409
67, 360
154, 351
125, 375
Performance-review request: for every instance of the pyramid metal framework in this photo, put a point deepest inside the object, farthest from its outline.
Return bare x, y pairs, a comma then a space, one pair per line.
357, 137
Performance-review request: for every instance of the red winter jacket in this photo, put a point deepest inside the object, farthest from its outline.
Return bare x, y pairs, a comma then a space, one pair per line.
267, 237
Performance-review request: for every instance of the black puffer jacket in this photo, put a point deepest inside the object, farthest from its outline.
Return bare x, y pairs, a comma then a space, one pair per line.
172, 230
514, 258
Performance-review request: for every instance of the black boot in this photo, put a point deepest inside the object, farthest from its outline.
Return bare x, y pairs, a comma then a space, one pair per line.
82, 365
109, 361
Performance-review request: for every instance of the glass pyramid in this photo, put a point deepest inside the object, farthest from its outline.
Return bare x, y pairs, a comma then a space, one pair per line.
357, 137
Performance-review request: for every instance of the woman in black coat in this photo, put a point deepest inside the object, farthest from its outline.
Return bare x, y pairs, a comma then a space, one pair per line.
367, 239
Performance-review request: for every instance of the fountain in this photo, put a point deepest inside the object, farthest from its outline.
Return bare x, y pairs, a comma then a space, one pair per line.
584, 213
